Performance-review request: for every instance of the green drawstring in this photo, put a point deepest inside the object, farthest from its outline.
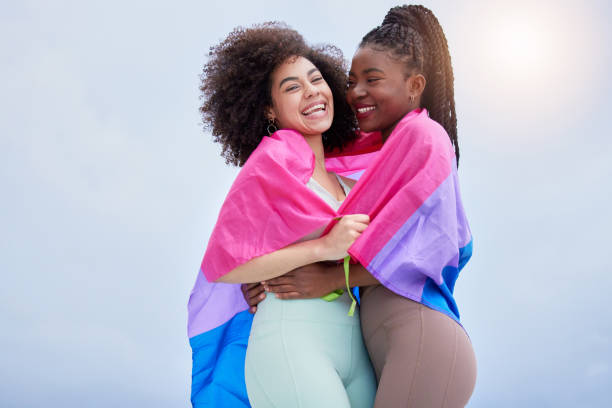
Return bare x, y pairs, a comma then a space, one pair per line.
346, 276
330, 297
338, 292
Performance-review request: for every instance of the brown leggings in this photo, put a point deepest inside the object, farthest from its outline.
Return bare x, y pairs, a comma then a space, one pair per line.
422, 358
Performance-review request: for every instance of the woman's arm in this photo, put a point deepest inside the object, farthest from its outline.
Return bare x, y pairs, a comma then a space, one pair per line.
316, 280
332, 246
276, 263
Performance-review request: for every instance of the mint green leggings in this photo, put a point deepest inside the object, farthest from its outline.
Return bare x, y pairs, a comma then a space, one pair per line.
308, 353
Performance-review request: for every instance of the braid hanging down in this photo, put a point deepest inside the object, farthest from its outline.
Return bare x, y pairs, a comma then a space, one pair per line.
413, 34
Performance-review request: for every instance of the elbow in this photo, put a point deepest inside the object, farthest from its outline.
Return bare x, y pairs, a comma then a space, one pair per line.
232, 276
223, 279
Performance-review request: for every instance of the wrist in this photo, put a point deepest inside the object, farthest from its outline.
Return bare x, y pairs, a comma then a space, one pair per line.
338, 276
320, 249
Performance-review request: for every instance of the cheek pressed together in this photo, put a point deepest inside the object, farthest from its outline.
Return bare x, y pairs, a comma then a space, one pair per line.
379, 90
301, 99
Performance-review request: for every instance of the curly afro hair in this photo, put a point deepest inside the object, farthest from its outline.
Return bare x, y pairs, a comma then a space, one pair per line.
236, 87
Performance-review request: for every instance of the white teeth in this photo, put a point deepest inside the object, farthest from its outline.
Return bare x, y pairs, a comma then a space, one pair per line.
313, 109
366, 109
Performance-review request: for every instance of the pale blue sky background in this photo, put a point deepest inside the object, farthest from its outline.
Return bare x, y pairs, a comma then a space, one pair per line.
110, 189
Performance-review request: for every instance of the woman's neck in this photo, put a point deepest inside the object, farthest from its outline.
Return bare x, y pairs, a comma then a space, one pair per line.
316, 144
385, 133
326, 180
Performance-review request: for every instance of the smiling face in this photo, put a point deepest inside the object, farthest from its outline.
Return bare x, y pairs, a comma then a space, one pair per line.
380, 92
301, 99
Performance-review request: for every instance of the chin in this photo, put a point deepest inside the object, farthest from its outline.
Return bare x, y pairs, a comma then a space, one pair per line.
368, 127
319, 129
314, 132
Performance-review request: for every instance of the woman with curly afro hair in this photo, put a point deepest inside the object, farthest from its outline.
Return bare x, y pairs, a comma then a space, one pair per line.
263, 87
237, 92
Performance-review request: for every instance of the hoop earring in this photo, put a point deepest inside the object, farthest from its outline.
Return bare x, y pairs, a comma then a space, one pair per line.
411, 98
271, 127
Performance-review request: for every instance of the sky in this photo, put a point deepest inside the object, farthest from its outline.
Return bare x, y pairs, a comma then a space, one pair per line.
111, 187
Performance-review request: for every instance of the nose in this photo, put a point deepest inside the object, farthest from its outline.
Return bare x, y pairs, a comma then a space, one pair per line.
311, 90
357, 91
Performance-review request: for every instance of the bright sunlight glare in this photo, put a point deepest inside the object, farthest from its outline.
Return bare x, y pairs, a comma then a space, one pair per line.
529, 59
521, 49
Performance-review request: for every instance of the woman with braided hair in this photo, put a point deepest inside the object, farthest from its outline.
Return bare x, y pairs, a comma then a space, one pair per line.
401, 84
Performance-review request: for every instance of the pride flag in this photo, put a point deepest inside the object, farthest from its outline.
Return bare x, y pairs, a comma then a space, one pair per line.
417, 241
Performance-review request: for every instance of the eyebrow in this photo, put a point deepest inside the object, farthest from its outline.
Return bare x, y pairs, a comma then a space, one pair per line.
296, 78
367, 71
287, 79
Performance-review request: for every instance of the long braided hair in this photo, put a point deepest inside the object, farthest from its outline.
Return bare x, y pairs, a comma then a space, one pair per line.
414, 36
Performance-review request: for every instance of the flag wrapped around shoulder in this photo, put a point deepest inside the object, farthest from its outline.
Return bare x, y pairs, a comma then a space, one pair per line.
418, 238
267, 208
352, 161
416, 244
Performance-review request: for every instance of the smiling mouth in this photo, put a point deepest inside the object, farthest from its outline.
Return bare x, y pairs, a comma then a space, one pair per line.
366, 109
315, 108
